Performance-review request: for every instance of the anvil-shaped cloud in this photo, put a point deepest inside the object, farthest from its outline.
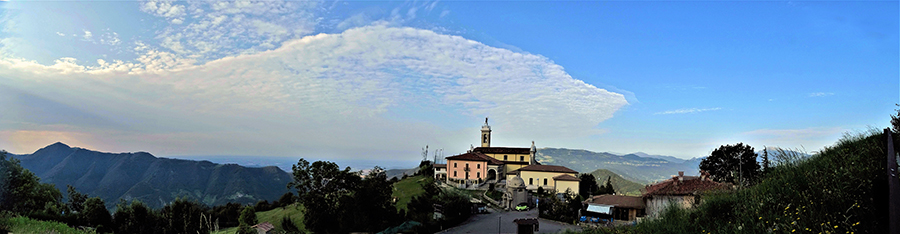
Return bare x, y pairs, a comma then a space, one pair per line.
374, 91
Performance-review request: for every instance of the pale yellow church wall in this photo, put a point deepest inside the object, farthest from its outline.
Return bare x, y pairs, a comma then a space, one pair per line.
536, 178
562, 185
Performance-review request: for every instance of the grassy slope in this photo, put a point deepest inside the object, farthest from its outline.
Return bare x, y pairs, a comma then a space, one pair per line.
25, 225
621, 185
840, 190
405, 189
274, 216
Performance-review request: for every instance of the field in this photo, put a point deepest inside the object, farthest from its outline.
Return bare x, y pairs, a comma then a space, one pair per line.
275, 216
406, 189
23, 225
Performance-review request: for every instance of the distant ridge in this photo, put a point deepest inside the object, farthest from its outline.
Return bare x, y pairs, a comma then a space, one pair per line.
632, 167
154, 181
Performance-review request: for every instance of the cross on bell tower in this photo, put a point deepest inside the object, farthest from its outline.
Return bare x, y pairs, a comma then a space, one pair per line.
486, 134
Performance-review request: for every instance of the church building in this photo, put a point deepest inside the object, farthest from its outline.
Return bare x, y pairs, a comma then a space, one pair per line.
486, 164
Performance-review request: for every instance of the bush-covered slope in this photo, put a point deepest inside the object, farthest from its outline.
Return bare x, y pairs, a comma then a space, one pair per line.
842, 189
155, 181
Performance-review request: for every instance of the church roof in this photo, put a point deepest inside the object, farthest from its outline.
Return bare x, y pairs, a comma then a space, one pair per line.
476, 156
566, 177
502, 150
547, 168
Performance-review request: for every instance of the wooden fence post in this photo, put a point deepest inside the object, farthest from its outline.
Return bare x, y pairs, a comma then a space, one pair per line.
893, 186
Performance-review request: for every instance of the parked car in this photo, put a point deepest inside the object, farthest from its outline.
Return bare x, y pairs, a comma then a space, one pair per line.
522, 206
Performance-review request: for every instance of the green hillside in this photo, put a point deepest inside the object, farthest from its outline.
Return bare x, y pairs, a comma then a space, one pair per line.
842, 189
275, 217
406, 189
621, 185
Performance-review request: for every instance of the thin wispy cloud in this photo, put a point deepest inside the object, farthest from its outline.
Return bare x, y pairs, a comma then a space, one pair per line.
687, 111
820, 94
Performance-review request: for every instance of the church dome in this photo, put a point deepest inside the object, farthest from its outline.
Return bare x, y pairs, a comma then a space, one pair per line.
515, 182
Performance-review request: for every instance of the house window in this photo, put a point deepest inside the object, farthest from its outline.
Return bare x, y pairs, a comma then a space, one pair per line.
478, 175
522, 158
530, 181
454, 166
478, 166
454, 173
504, 157
545, 181
467, 165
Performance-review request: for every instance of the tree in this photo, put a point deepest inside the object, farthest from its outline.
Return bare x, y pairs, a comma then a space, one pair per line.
765, 160
587, 185
608, 188
286, 199
184, 216
732, 163
248, 216
23, 193
895, 121
321, 187
96, 215
135, 218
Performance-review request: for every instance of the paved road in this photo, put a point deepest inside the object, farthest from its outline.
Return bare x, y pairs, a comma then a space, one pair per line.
488, 223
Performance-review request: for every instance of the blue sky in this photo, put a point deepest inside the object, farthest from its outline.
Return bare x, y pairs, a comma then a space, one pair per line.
380, 80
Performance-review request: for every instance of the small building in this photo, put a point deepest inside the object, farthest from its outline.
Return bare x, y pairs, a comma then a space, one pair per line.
515, 193
684, 191
264, 228
613, 207
545, 176
440, 172
472, 167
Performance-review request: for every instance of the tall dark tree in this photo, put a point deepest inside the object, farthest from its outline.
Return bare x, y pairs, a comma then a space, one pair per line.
765, 160
587, 186
96, 215
286, 199
324, 190
184, 216
732, 163
135, 217
608, 187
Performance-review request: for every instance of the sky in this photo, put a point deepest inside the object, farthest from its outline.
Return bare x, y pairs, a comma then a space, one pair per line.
380, 80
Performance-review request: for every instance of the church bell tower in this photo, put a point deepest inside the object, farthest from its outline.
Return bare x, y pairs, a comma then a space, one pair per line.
486, 134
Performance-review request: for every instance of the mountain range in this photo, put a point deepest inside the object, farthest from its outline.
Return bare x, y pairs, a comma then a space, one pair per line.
153, 180
637, 167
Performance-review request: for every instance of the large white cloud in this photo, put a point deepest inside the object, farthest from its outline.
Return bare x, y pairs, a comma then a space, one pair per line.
328, 93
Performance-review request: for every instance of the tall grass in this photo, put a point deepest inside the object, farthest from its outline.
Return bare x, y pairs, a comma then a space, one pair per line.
842, 189
25, 225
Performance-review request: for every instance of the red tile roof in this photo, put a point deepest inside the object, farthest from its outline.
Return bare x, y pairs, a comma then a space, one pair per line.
264, 226
617, 201
502, 150
686, 185
566, 177
547, 168
438, 165
475, 156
